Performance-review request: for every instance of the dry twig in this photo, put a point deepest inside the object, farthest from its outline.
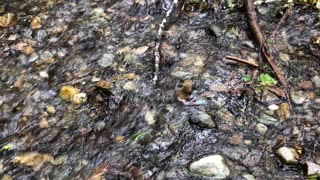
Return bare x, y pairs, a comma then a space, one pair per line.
242, 61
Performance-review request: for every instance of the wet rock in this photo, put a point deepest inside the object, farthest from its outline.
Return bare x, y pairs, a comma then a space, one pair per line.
273, 107
225, 115
288, 155
316, 81
44, 123
268, 120
235, 139
312, 169
235, 153
297, 97
32, 159
248, 177
106, 60
149, 117
284, 111
51, 109
253, 158
69, 118
306, 85
296, 133
215, 30
284, 57
99, 125
188, 67
33, 57
213, 166
261, 128
202, 119
130, 86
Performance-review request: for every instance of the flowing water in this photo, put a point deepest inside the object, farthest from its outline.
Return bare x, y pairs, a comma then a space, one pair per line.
133, 128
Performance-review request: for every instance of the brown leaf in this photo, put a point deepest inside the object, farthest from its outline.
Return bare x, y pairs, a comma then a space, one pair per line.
34, 160
25, 48
36, 23
7, 20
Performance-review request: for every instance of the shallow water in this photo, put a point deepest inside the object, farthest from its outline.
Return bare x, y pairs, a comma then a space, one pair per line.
111, 134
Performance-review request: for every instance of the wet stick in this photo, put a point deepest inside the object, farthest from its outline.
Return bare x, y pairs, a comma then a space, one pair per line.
282, 21
242, 61
260, 40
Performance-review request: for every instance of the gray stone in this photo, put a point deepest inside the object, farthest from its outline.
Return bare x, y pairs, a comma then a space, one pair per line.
248, 177
316, 81
99, 125
188, 67
297, 97
33, 57
215, 30
288, 155
202, 119
106, 60
268, 120
284, 57
69, 118
213, 166
261, 128
296, 133
313, 169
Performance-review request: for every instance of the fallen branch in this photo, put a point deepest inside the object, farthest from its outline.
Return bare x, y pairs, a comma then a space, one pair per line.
242, 61
259, 37
282, 20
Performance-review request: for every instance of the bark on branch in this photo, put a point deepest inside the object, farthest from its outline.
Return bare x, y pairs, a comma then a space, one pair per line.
260, 40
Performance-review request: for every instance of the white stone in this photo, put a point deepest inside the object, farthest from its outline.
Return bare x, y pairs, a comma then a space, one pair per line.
313, 168
106, 60
213, 166
261, 128
43, 74
273, 107
149, 117
130, 86
288, 155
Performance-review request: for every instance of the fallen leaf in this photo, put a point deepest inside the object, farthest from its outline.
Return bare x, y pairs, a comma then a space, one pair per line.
7, 20
72, 94
34, 160
140, 50
36, 23
23, 47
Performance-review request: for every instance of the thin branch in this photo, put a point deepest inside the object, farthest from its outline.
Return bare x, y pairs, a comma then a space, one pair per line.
282, 21
259, 37
242, 61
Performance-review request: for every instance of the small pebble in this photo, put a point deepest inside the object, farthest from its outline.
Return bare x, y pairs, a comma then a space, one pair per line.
273, 107
51, 109
43, 123
288, 155
261, 128
130, 86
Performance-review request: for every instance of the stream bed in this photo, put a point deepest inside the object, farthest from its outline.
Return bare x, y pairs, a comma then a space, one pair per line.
78, 101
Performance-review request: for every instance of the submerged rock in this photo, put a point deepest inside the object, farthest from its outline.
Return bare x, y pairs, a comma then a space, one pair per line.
188, 67
297, 97
261, 128
215, 30
268, 120
202, 119
288, 155
106, 60
213, 165
312, 169
316, 81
